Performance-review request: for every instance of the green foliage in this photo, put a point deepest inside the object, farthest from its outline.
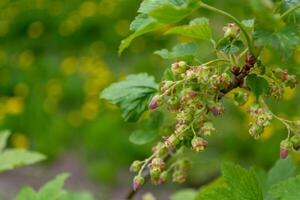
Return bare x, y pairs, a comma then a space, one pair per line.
154, 14
166, 11
243, 183
230, 47
187, 194
198, 28
13, 158
148, 130
132, 95
184, 50
287, 190
238, 183
53, 190
257, 84
283, 40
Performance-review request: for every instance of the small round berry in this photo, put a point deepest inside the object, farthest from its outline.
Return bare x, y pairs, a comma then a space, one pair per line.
136, 166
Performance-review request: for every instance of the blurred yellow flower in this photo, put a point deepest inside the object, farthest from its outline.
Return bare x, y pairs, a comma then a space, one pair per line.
35, 29
88, 9
14, 105
69, 65
4, 28
90, 108
107, 7
269, 130
122, 27
289, 93
69, 25
26, 59
54, 89
20, 141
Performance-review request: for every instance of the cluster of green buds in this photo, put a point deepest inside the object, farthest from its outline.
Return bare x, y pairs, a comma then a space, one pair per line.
262, 118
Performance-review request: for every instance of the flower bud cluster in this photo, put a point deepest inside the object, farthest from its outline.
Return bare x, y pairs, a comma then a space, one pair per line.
231, 31
262, 118
180, 171
283, 75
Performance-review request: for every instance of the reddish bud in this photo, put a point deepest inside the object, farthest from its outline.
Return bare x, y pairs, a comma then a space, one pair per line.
138, 181
154, 103
235, 70
283, 152
250, 60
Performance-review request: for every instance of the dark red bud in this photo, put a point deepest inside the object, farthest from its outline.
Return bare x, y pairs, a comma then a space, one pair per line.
250, 60
235, 70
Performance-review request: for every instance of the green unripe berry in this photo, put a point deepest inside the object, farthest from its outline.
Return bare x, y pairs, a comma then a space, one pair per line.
136, 166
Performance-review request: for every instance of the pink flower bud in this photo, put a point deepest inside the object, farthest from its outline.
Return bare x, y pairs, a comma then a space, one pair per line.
154, 103
138, 181
283, 152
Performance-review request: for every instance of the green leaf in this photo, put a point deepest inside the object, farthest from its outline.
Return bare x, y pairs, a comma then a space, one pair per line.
154, 14
141, 26
27, 193
230, 47
12, 158
198, 28
264, 15
218, 189
179, 51
149, 129
166, 11
257, 84
294, 16
131, 95
283, 40
3, 138
287, 190
243, 183
141, 137
187, 194
53, 189
282, 170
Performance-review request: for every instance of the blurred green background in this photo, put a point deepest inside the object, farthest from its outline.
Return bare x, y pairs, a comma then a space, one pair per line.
56, 56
